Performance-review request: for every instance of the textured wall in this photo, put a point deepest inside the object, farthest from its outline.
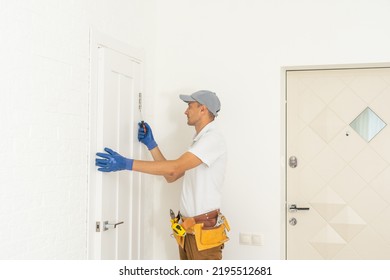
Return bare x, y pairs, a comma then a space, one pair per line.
44, 97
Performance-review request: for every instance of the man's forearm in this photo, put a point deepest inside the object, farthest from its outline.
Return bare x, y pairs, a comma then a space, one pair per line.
157, 154
167, 168
170, 169
168, 172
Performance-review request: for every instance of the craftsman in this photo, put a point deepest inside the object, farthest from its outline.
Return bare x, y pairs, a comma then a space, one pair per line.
203, 167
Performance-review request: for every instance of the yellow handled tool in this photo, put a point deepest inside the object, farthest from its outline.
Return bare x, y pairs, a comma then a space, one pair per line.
176, 227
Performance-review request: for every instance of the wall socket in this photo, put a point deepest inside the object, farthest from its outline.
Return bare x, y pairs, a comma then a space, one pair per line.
253, 239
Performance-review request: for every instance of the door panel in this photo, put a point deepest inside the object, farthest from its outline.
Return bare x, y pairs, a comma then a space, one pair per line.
118, 192
343, 178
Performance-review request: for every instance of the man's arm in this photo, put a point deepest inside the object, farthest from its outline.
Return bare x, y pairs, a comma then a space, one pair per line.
157, 154
170, 169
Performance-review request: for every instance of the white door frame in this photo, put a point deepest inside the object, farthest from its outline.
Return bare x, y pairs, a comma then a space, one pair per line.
283, 142
98, 39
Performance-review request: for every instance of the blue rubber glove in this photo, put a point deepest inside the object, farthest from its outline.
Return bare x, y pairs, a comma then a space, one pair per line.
112, 161
145, 135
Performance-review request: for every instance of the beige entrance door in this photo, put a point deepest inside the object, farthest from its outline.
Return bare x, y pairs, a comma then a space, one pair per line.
338, 164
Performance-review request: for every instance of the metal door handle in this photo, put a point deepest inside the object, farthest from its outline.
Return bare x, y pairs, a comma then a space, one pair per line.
107, 226
294, 208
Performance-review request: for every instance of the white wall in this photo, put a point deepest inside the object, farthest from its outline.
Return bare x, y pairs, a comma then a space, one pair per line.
44, 95
235, 48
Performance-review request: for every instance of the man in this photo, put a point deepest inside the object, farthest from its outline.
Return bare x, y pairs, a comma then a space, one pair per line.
203, 167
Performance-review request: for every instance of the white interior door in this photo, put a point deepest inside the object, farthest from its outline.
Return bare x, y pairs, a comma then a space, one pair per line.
115, 197
339, 181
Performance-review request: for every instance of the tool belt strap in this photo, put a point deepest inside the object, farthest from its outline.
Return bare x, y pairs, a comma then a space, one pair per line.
207, 216
208, 220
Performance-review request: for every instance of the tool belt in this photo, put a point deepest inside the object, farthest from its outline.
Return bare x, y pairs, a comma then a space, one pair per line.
209, 230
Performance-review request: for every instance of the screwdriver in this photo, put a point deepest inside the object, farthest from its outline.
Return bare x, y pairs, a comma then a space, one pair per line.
143, 125
140, 110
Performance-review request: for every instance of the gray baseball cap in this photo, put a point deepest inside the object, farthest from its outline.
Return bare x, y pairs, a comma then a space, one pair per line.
204, 97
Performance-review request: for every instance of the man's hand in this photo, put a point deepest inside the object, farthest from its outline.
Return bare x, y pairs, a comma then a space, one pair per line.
112, 161
145, 135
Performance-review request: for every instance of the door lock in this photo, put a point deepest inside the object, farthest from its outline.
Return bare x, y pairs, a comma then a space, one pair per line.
107, 226
293, 161
293, 221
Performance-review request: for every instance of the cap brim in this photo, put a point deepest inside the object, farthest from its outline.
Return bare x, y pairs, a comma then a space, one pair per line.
186, 98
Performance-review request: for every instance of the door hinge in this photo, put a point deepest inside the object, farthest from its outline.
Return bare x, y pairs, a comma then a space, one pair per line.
97, 227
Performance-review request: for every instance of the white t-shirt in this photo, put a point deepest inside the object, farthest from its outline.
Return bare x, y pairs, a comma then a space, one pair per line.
202, 185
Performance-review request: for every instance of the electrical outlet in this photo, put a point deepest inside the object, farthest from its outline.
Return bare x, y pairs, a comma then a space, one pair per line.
245, 238
252, 239
257, 239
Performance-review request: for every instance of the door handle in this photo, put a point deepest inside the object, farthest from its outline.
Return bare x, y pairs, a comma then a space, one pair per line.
107, 226
294, 208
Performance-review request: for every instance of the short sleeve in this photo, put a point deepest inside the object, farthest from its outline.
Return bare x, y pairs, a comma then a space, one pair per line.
208, 148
